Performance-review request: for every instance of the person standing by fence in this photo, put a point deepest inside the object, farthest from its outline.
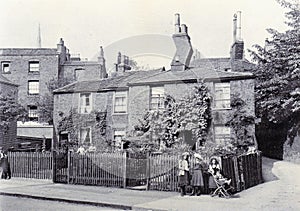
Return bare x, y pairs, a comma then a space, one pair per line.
183, 172
5, 172
197, 179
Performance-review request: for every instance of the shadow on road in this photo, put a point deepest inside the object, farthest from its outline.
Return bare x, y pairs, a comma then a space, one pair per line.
267, 165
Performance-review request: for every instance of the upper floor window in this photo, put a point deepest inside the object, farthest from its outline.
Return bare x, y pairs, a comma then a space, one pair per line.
222, 95
33, 113
5, 67
33, 87
85, 103
34, 66
222, 134
120, 105
156, 98
85, 135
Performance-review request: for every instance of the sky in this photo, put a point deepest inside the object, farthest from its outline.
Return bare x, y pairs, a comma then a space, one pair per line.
141, 27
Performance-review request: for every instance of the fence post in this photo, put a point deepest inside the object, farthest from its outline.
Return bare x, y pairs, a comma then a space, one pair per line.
53, 165
125, 168
68, 166
148, 171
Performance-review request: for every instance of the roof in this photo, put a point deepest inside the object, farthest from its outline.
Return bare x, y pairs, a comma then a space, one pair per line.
6, 81
28, 51
223, 64
192, 75
113, 83
211, 69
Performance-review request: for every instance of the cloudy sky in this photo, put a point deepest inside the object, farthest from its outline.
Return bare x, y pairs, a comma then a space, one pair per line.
87, 24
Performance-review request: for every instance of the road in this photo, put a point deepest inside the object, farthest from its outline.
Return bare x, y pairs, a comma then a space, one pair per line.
11, 203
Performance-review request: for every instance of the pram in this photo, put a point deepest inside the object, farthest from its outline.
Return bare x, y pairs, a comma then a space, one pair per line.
223, 187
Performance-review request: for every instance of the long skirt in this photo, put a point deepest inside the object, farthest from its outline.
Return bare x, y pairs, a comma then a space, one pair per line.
184, 179
197, 179
211, 182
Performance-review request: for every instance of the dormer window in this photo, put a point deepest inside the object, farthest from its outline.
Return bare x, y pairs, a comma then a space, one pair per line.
34, 66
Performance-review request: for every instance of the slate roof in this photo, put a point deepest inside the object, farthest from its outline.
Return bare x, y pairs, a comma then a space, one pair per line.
223, 64
209, 69
6, 81
113, 83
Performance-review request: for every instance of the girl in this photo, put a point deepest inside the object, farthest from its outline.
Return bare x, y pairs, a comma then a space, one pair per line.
197, 180
183, 172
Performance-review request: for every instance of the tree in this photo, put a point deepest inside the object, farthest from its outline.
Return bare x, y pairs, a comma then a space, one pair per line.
278, 74
161, 129
46, 102
10, 111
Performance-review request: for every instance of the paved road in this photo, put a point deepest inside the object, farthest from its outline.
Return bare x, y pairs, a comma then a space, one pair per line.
11, 203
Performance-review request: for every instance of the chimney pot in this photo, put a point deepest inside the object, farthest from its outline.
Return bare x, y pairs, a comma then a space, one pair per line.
239, 26
177, 23
184, 28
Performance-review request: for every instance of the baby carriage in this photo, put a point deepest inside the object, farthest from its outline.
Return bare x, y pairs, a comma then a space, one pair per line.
220, 184
223, 187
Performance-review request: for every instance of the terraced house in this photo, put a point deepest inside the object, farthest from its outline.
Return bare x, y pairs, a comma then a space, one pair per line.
124, 98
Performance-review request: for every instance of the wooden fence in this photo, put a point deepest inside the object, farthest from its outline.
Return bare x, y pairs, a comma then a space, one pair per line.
35, 165
121, 169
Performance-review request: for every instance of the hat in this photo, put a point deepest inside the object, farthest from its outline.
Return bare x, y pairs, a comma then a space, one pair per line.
198, 156
185, 153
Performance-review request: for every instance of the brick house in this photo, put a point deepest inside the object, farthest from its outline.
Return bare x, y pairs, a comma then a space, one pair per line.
7, 138
32, 68
127, 95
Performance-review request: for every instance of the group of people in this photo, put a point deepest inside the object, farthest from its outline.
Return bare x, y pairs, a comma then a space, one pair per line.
5, 172
197, 181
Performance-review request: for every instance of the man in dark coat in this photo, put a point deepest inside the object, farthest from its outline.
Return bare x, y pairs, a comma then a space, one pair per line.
4, 165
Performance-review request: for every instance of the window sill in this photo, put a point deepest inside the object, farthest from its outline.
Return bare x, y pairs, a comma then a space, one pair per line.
6, 73
115, 114
219, 109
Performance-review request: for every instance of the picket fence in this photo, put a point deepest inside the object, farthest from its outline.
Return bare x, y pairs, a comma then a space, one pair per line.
121, 169
35, 165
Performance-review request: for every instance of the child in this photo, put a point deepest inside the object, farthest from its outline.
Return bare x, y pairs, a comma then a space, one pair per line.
183, 172
197, 179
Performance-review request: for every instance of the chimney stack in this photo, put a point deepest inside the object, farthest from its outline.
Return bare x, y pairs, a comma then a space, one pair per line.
101, 59
184, 50
122, 64
62, 50
237, 48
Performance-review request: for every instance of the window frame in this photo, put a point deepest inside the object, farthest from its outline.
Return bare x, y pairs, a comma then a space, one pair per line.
122, 94
33, 69
35, 117
121, 134
90, 135
30, 87
2, 67
222, 138
87, 108
159, 101
217, 100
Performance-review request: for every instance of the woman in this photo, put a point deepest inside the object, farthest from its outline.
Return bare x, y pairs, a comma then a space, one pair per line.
215, 169
197, 179
183, 172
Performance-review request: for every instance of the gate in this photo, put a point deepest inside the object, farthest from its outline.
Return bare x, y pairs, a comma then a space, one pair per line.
60, 166
136, 169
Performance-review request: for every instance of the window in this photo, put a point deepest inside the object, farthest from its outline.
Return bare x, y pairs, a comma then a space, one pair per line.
120, 105
34, 66
156, 98
5, 67
85, 135
222, 134
85, 103
33, 113
222, 95
33, 87
118, 138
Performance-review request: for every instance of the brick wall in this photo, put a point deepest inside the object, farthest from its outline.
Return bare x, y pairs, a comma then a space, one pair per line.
19, 70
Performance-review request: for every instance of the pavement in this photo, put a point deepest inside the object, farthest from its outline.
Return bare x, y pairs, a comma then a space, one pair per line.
281, 191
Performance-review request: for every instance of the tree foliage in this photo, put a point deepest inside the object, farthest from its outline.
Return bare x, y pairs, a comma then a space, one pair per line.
10, 111
160, 129
278, 73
